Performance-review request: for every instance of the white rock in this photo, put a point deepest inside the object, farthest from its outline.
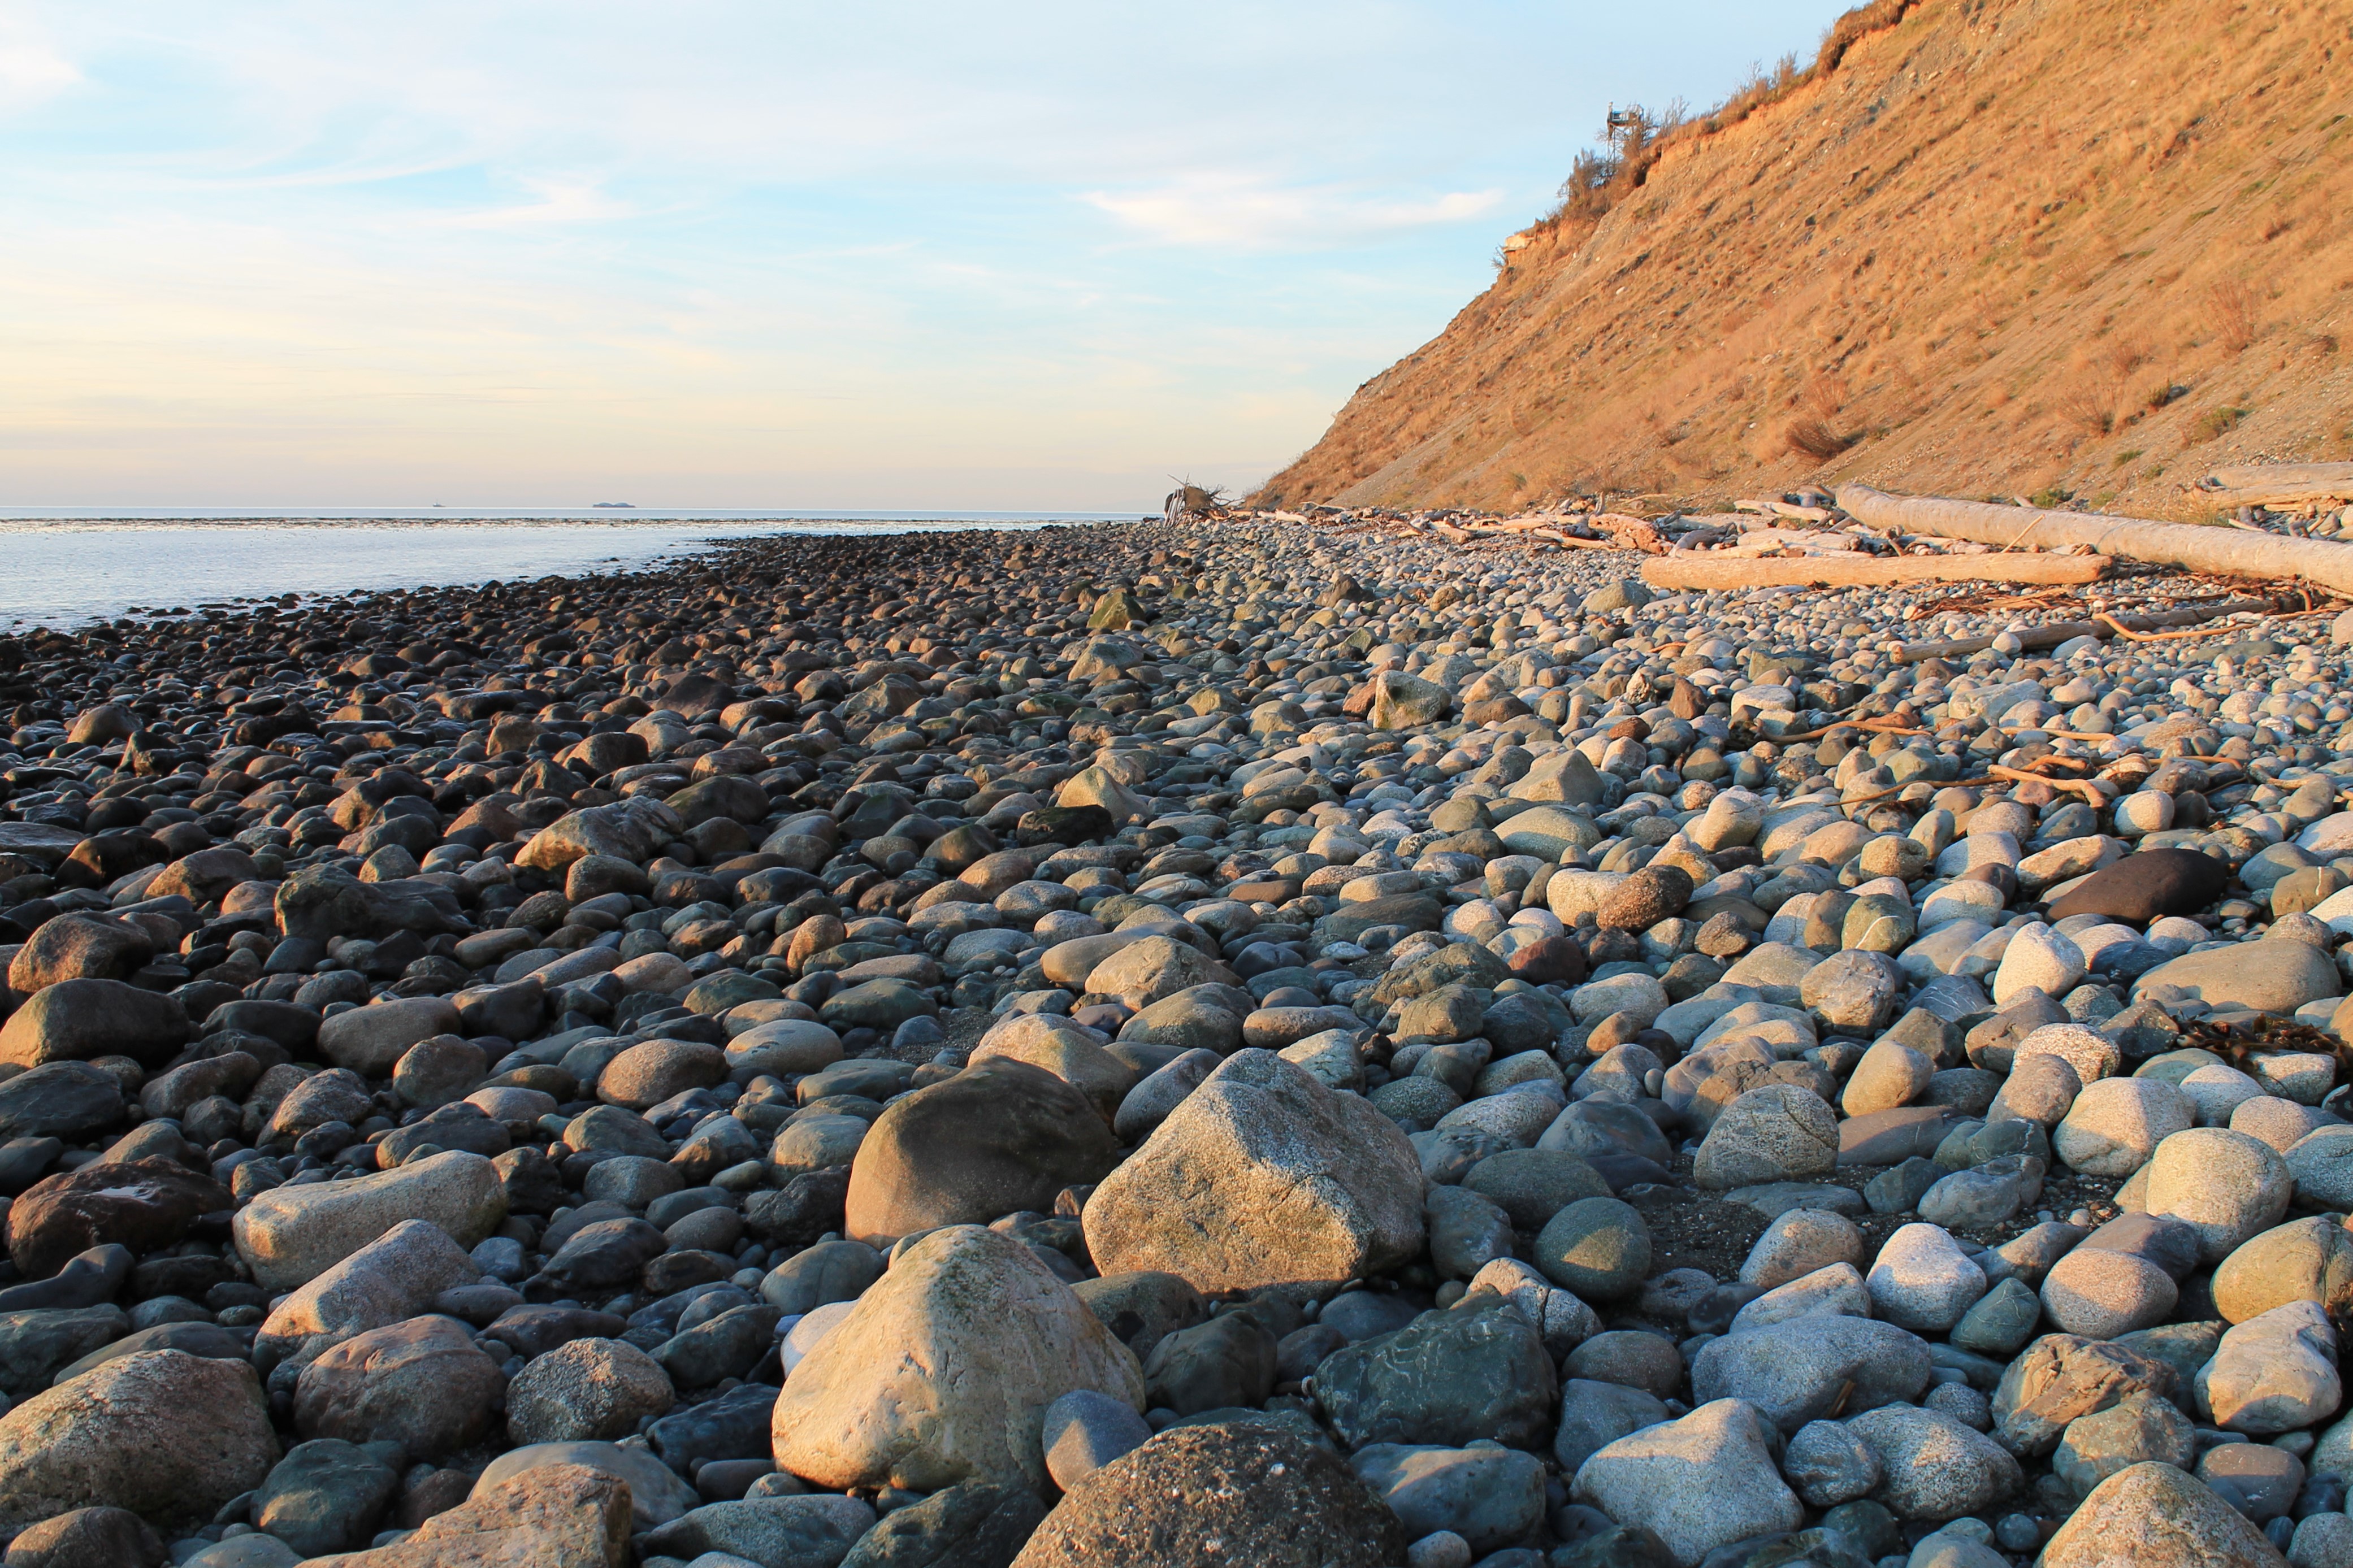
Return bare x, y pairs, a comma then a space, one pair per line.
2216, 1091
2275, 1372
1922, 1280
2143, 812
2227, 1185
1836, 1290
943, 1370
1261, 1176
2038, 958
2092, 1054
393, 1277
290, 1236
2116, 1124
1698, 1483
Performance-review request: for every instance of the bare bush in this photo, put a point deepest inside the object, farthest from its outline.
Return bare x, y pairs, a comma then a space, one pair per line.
2230, 312
1814, 438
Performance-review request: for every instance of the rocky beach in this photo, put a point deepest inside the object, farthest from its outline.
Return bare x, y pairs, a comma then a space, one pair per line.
1282, 1041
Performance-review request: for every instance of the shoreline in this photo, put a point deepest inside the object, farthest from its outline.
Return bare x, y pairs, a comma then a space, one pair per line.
703, 948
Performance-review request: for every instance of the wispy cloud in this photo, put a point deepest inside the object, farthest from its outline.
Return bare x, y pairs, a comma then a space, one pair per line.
557, 201
764, 252
30, 74
1226, 210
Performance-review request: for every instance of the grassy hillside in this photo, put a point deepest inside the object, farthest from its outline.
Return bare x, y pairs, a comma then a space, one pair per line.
2078, 247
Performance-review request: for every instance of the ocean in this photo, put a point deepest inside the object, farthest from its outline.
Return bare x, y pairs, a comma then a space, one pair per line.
62, 568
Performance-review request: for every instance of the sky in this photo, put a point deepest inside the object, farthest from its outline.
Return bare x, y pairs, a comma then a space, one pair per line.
760, 253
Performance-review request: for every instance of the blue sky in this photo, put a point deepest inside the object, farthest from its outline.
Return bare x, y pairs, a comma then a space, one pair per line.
720, 253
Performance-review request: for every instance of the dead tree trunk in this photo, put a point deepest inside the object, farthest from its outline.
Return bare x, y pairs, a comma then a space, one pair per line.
2231, 552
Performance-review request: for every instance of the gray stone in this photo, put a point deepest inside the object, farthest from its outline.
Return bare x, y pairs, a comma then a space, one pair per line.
1812, 1367
1531, 1185
2321, 1164
1466, 1231
1491, 1496
168, 1436
1933, 1466
290, 1236
2135, 1430
2001, 1321
1797, 1243
1984, 1196
1634, 1357
774, 1531
1835, 1289
2116, 1124
1085, 1430
1597, 1247
1853, 991
327, 1495
1226, 1363
2101, 1293
657, 1493
1922, 1280
2275, 1372
863, 1409
2152, 1515
1261, 1176
1698, 1483
1769, 1134
973, 1521
1595, 1415
1828, 1463
1446, 1378
422, 1383
589, 1390
2227, 1185
2276, 977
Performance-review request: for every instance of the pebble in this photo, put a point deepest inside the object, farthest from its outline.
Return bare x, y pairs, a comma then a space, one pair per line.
1922, 1280
1931, 1466
2154, 1513
1795, 1371
2226, 1185
2116, 1124
624, 965
965, 1297
1487, 1497
1645, 1480
2275, 1372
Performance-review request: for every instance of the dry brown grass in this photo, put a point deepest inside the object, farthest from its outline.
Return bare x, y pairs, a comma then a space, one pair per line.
2231, 313
1812, 439
1969, 229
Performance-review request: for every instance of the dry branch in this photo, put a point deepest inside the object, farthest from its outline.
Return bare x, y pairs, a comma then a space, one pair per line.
2279, 484
2034, 638
2227, 553
1706, 572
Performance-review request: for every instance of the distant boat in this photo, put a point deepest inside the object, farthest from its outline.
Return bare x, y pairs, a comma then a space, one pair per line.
617, 505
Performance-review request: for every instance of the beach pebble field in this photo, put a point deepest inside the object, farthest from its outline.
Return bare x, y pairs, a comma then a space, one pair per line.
1197, 1043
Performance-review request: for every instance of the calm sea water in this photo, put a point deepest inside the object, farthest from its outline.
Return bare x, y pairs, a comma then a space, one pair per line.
61, 569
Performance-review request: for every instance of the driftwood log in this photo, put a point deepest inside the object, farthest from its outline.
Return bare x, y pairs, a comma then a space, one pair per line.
2036, 638
1709, 570
2231, 553
2279, 484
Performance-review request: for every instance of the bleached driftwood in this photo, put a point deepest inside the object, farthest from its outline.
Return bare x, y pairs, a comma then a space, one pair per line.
1719, 569
2231, 553
2032, 638
2279, 484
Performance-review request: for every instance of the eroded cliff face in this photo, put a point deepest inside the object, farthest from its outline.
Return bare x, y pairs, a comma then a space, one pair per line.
2006, 247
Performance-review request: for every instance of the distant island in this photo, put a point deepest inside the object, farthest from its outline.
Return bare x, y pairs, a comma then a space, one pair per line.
617, 505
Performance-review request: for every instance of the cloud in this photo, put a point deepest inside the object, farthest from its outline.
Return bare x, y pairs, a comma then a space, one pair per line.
1223, 210
31, 73
559, 202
